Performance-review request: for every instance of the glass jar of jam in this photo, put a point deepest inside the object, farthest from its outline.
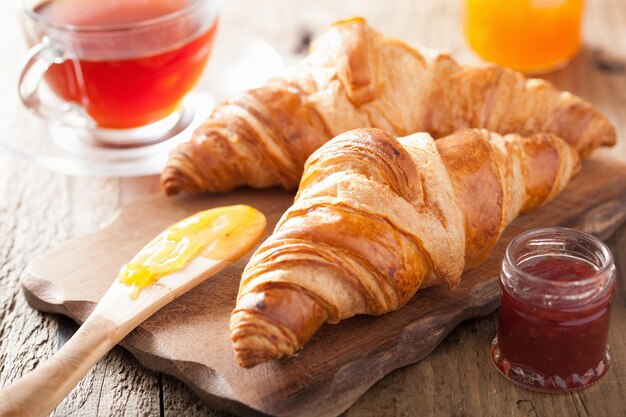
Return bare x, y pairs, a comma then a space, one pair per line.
556, 287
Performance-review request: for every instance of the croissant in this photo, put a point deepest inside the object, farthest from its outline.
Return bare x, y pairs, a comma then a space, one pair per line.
377, 218
355, 77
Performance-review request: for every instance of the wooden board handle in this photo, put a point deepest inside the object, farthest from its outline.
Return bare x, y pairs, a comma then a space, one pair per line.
40, 391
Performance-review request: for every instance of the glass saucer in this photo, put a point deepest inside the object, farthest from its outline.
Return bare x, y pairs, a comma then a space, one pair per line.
239, 61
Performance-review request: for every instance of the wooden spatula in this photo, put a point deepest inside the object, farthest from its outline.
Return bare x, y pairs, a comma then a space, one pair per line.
41, 390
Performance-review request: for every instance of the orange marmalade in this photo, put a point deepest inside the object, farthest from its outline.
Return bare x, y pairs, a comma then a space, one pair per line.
216, 234
527, 35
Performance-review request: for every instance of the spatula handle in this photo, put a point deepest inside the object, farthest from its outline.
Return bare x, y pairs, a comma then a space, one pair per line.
40, 391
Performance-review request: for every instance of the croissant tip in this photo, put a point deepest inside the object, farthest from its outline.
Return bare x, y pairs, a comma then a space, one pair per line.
611, 138
356, 19
174, 181
247, 352
249, 358
170, 189
256, 339
169, 183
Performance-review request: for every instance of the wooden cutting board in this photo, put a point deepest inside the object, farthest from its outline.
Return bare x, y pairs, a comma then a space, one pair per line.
189, 338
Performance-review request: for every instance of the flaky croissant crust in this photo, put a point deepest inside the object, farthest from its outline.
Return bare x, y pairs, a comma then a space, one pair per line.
376, 218
355, 77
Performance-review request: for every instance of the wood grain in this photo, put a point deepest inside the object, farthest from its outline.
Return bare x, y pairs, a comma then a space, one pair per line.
39, 392
190, 340
39, 210
116, 314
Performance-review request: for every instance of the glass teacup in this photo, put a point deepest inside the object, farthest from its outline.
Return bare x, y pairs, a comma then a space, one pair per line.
120, 84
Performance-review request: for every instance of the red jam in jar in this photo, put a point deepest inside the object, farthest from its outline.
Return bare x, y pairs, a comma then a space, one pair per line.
556, 287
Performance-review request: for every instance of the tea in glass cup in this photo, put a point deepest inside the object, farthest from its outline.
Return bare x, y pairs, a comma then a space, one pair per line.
121, 68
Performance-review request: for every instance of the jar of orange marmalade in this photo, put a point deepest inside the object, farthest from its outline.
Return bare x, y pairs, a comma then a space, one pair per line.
532, 36
556, 288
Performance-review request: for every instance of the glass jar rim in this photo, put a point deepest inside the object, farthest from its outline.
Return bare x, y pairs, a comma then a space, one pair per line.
189, 9
603, 269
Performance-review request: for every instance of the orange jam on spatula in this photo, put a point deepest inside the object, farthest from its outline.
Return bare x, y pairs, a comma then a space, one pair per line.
215, 234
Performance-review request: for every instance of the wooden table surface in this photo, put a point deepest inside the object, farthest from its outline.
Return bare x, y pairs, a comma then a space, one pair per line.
39, 209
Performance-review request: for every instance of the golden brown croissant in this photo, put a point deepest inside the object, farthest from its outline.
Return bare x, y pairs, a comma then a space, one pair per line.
355, 77
376, 218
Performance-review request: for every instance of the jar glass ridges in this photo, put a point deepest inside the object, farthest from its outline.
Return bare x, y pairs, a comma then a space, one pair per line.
556, 287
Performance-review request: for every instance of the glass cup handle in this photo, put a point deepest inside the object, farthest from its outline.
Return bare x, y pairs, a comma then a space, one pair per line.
40, 58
